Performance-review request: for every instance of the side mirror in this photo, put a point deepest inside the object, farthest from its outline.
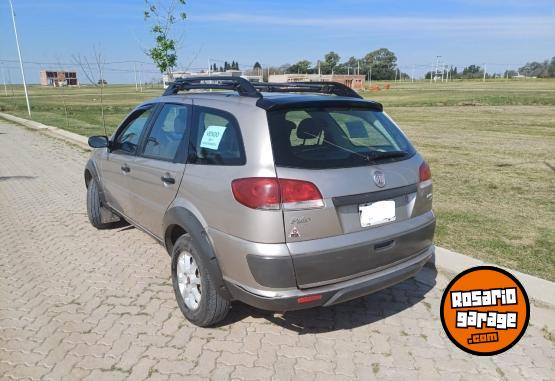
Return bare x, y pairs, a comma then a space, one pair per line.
99, 141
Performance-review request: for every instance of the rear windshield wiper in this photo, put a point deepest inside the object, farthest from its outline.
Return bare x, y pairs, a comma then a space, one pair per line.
378, 155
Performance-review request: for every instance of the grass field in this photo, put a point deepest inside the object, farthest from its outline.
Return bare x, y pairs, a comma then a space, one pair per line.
491, 147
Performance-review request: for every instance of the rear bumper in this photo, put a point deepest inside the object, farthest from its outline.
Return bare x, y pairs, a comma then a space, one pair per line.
287, 300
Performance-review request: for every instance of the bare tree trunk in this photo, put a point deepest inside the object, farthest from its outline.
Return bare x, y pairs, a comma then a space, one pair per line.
63, 94
90, 74
99, 64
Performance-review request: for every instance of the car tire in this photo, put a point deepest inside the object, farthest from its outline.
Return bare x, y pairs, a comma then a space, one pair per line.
211, 308
94, 207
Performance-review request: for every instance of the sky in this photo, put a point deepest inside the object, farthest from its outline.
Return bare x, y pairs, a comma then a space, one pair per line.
500, 33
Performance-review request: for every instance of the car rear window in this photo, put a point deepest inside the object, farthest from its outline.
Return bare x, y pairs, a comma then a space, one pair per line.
215, 139
320, 138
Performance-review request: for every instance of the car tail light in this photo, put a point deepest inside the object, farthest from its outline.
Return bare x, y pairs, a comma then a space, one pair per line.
297, 194
425, 172
309, 298
273, 193
257, 192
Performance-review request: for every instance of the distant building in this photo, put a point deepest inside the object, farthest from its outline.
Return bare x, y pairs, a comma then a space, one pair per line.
355, 82
58, 78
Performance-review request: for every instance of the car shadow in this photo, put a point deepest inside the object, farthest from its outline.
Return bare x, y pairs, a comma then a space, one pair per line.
355, 313
8, 178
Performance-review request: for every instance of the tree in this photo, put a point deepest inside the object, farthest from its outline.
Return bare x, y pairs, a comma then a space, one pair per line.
382, 62
257, 66
551, 68
163, 16
330, 63
95, 77
301, 67
534, 69
472, 71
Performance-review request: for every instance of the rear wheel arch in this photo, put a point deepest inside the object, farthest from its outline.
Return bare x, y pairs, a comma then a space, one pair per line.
179, 221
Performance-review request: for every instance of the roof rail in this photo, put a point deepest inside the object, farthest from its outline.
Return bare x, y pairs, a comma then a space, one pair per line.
335, 88
252, 89
241, 85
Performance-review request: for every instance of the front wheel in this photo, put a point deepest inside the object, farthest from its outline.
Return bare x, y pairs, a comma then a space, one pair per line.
95, 210
194, 288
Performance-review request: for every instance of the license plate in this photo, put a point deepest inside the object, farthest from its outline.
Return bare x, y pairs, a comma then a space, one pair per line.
376, 213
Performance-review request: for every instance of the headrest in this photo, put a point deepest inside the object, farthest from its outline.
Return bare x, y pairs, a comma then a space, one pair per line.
180, 121
309, 128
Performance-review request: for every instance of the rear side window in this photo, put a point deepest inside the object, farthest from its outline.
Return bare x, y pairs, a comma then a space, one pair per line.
322, 138
215, 139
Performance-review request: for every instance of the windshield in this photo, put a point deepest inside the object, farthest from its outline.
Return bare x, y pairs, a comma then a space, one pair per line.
335, 138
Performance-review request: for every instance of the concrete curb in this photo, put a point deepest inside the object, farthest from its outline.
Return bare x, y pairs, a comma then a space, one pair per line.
446, 260
538, 289
55, 132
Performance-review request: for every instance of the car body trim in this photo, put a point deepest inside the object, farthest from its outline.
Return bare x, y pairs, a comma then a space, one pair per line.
364, 198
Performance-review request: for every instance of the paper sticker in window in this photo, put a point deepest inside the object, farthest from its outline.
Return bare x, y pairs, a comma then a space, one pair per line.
212, 137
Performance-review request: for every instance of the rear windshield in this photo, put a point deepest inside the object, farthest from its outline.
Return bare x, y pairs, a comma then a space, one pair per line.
321, 138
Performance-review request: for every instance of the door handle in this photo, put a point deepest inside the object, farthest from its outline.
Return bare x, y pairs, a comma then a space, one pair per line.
167, 180
125, 168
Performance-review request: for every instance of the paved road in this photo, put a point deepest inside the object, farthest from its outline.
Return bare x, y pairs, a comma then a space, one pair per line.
77, 303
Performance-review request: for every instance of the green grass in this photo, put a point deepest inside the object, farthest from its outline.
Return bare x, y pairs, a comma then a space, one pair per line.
491, 147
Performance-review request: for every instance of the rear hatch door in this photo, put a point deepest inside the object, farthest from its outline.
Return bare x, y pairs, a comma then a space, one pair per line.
369, 198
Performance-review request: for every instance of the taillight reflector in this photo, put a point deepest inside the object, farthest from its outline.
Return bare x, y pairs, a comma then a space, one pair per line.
425, 172
271, 193
309, 298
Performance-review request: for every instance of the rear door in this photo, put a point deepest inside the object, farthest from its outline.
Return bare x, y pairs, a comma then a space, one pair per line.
159, 166
367, 173
116, 169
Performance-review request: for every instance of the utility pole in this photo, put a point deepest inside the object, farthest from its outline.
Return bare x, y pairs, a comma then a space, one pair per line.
442, 72
358, 67
412, 75
484, 79
135, 70
437, 66
370, 76
4, 79
141, 77
20, 61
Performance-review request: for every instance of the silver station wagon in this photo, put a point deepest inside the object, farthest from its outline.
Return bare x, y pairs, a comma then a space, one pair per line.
281, 196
